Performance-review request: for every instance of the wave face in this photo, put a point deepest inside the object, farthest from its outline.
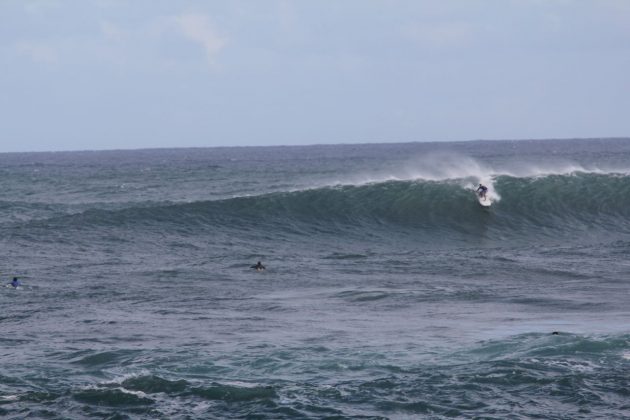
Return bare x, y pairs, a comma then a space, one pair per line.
542, 206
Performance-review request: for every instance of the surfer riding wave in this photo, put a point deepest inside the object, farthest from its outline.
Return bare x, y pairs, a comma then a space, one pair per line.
482, 190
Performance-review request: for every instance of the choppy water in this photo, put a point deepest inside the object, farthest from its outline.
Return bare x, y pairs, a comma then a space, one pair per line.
389, 291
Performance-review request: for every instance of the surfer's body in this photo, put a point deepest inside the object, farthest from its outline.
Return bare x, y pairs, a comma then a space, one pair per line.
482, 191
258, 266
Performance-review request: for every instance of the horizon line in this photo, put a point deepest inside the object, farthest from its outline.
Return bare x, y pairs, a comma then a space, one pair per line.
131, 149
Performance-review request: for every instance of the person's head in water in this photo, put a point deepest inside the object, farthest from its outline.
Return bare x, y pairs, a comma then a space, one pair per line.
15, 282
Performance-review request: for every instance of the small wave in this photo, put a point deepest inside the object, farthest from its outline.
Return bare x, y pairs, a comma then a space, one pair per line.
116, 397
234, 393
532, 346
102, 359
365, 295
151, 384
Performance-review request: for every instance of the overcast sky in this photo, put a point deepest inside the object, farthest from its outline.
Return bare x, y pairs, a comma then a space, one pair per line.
105, 74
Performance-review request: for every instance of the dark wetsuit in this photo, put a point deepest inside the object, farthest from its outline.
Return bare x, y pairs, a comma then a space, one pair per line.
258, 266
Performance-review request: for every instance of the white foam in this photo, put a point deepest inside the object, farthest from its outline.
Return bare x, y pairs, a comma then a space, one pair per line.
241, 384
122, 377
139, 394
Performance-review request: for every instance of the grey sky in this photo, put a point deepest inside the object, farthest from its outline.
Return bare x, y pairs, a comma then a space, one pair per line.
148, 73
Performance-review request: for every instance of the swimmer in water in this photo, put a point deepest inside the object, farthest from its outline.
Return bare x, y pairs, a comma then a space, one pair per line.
15, 283
258, 267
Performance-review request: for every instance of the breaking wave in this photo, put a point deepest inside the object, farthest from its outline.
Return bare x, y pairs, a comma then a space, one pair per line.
542, 205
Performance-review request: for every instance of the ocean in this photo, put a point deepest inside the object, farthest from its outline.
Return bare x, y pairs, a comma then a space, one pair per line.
389, 292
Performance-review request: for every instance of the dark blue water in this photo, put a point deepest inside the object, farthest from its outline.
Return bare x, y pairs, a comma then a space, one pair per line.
389, 291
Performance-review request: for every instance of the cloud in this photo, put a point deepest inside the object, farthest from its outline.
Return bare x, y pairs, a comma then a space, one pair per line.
159, 41
440, 35
112, 31
40, 7
197, 28
39, 52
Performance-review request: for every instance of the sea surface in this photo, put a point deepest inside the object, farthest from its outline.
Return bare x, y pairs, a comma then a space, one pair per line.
389, 291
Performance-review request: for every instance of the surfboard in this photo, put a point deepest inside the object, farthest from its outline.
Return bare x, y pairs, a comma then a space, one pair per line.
484, 201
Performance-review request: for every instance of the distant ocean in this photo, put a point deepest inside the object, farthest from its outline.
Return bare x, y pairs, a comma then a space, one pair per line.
389, 291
